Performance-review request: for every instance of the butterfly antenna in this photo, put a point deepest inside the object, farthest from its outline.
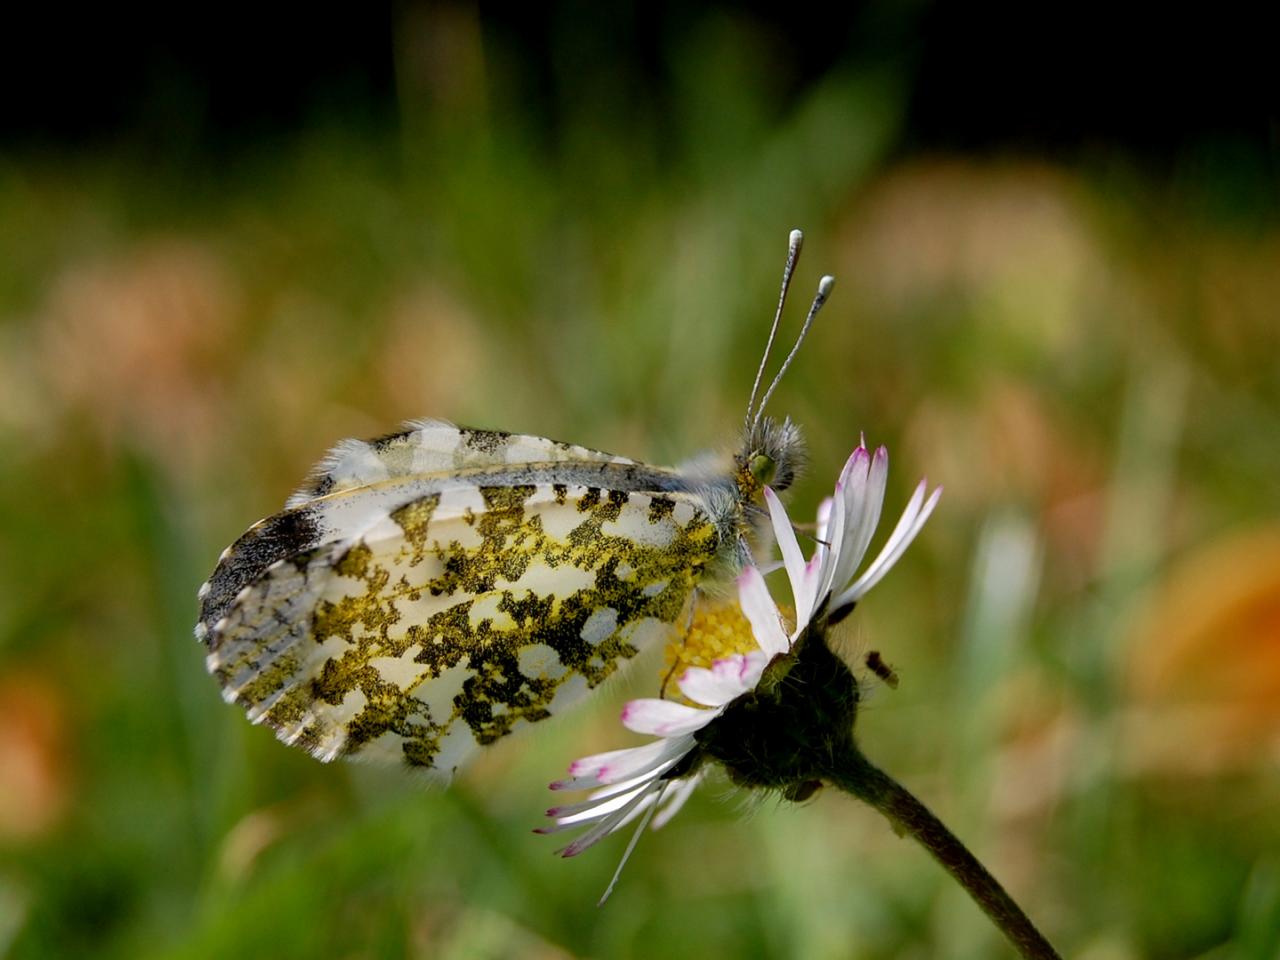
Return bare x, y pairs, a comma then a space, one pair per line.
795, 242
825, 286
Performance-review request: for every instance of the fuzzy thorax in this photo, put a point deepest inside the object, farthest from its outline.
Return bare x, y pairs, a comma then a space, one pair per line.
772, 454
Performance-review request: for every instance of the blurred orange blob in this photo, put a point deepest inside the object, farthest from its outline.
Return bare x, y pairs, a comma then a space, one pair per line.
34, 775
132, 340
1204, 666
432, 353
1014, 242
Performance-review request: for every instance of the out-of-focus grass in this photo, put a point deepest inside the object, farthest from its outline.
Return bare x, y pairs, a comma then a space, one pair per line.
1087, 363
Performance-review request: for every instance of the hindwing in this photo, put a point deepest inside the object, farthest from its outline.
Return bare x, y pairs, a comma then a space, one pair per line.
418, 619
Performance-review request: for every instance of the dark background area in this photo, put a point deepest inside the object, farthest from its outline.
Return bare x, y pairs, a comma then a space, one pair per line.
1062, 79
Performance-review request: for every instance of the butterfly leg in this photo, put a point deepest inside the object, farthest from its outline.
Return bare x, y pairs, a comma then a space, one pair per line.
675, 661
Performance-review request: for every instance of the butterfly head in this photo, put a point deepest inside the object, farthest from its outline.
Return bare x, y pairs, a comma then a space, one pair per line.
772, 454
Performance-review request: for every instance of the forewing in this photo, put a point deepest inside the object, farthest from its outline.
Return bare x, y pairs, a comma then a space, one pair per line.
345, 516
433, 446
457, 617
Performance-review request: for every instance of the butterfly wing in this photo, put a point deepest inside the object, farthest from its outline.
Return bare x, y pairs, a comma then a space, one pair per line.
421, 631
388, 470
434, 446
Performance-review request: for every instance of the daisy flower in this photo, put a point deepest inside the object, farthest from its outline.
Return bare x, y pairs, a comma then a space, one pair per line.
652, 782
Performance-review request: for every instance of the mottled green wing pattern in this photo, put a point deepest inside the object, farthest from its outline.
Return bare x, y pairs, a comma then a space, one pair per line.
457, 617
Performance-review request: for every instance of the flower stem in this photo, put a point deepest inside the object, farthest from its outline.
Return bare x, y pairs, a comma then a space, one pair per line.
856, 775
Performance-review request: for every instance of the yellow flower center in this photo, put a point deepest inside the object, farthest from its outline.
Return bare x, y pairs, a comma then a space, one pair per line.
719, 629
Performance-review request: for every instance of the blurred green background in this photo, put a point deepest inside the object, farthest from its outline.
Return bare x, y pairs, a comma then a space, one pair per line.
227, 243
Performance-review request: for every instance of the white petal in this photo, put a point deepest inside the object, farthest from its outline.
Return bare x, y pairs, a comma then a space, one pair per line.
830, 555
910, 524
824, 515
656, 790
902, 530
783, 532
820, 563
596, 808
855, 468
762, 613
609, 824
717, 686
746, 667
621, 786
588, 765
649, 807
677, 795
864, 514
806, 594
663, 718
619, 765
851, 490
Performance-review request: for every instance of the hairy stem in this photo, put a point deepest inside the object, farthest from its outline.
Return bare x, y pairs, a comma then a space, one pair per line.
858, 776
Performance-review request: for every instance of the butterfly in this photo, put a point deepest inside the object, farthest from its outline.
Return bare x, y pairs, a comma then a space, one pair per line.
428, 592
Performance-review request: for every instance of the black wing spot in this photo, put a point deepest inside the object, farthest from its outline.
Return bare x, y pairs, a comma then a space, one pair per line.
486, 441
276, 538
379, 444
660, 508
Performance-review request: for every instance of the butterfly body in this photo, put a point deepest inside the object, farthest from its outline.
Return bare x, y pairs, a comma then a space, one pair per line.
390, 613
428, 592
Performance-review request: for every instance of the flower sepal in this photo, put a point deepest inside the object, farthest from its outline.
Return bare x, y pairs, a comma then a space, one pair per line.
774, 676
782, 737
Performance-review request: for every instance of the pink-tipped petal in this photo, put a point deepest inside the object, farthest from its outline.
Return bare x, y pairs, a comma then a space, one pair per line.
714, 687
853, 487
663, 718
742, 669
590, 811
909, 524
608, 824
856, 466
584, 766
620, 765
862, 522
596, 804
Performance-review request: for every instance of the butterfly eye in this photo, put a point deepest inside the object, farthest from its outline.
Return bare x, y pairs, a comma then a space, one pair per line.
763, 468
783, 477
